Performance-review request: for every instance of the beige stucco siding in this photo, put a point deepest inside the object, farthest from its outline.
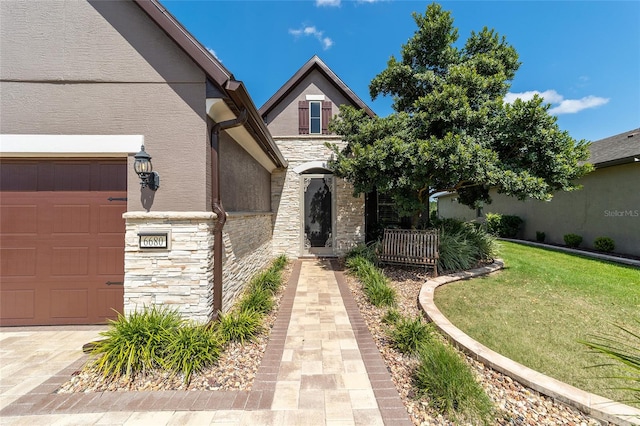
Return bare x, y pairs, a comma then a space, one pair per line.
106, 68
283, 119
608, 205
247, 185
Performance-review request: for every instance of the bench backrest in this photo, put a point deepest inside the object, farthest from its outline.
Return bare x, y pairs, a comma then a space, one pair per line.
410, 245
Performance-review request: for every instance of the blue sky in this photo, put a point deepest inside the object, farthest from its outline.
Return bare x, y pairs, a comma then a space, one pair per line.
583, 56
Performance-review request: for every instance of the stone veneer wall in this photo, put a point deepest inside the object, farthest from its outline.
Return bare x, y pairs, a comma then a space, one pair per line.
247, 250
285, 197
182, 276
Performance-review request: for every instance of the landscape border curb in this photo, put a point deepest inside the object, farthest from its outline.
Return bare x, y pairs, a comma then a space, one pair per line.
591, 404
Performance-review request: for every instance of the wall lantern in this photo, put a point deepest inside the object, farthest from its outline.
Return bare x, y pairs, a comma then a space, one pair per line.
144, 169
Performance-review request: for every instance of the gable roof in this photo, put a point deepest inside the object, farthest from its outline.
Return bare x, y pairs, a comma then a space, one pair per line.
236, 96
315, 63
614, 150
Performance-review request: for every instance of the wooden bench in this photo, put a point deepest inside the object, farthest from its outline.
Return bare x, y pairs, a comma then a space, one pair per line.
410, 247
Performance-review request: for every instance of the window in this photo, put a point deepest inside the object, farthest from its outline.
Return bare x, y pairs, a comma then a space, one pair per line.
315, 119
387, 212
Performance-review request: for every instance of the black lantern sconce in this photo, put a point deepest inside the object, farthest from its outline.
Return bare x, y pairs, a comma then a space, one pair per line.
144, 169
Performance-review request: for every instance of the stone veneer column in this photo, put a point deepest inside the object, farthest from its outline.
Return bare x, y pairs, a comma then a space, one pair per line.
179, 277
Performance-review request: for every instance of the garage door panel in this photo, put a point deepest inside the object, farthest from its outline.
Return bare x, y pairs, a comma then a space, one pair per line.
72, 176
109, 302
71, 219
69, 261
18, 219
110, 260
17, 262
17, 304
61, 241
110, 219
70, 303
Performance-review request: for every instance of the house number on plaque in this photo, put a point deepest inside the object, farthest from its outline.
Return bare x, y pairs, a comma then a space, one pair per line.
153, 241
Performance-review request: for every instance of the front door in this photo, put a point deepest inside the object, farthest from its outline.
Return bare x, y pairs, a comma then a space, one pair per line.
318, 214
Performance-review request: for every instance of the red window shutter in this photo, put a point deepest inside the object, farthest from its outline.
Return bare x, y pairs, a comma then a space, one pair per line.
303, 117
326, 116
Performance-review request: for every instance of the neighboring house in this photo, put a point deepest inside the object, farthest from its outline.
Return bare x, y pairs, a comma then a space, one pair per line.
83, 85
607, 205
315, 212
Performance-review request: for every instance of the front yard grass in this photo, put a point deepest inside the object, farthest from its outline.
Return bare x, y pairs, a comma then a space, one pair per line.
537, 309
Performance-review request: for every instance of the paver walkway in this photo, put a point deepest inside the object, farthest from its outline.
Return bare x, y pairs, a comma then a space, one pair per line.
321, 367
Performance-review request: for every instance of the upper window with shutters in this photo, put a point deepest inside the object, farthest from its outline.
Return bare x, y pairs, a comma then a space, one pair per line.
313, 117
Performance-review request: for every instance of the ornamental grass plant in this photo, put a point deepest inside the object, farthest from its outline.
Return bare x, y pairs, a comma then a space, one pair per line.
449, 383
136, 342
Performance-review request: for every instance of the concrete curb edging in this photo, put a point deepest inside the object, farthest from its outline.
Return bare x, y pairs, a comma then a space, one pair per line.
591, 404
599, 256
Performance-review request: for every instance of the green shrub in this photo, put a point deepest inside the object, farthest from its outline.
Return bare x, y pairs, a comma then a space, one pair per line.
624, 349
572, 240
239, 326
391, 317
504, 226
456, 253
279, 263
191, 349
269, 280
380, 294
605, 244
359, 266
257, 299
374, 284
463, 245
448, 381
366, 251
408, 334
540, 236
136, 342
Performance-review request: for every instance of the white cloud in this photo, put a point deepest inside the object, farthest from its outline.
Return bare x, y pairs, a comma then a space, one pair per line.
314, 32
559, 105
571, 106
330, 3
213, 52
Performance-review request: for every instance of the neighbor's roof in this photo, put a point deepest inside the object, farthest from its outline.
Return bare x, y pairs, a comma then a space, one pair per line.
614, 150
315, 63
237, 96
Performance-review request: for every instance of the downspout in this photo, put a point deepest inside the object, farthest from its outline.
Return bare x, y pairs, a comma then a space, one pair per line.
216, 206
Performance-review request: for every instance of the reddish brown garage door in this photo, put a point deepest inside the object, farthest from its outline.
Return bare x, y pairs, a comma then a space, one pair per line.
61, 241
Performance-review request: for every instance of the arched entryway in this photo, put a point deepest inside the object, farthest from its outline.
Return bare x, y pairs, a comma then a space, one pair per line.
317, 201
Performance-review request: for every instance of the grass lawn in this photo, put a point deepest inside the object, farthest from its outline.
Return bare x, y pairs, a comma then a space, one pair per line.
540, 305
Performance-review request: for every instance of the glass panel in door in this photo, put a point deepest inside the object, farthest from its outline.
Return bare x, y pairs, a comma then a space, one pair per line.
318, 219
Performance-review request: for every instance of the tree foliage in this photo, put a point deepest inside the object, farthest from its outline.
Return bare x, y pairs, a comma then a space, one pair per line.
451, 129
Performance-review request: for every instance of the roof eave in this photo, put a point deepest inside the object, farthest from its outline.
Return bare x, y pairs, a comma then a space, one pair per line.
219, 75
315, 63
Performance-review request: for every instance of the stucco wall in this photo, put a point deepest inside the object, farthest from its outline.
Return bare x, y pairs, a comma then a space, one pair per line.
246, 185
283, 119
287, 203
106, 68
608, 205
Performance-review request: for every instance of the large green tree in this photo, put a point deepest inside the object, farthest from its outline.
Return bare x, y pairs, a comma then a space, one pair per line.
451, 129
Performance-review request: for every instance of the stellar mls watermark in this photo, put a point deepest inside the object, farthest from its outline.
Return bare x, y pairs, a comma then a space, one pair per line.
622, 213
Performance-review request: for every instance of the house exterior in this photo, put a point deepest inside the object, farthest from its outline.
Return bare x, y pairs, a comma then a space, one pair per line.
608, 205
315, 212
83, 85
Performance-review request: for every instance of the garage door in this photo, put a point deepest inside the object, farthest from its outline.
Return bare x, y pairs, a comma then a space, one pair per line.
61, 241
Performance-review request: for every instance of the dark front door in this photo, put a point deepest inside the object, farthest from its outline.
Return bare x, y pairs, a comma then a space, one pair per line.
318, 214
